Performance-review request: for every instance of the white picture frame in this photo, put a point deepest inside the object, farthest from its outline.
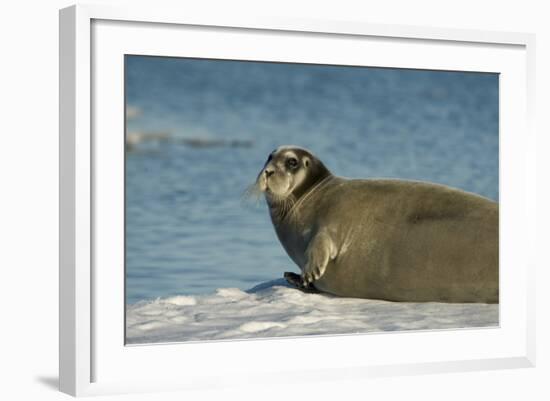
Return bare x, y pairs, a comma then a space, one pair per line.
93, 358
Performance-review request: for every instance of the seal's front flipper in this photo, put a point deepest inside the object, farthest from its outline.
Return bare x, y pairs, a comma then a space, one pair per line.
320, 251
297, 281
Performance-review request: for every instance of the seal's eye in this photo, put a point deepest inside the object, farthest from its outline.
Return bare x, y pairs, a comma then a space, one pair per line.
292, 162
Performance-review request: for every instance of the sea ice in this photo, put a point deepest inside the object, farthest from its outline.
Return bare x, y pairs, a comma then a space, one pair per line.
274, 309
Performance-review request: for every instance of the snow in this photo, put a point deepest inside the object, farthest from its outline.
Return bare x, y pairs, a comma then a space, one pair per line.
274, 309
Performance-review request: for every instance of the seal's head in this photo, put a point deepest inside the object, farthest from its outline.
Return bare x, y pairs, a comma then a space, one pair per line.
289, 173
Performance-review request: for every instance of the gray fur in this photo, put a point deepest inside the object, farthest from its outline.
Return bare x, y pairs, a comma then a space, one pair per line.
386, 239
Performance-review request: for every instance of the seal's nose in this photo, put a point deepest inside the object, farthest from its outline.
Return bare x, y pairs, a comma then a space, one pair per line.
268, 172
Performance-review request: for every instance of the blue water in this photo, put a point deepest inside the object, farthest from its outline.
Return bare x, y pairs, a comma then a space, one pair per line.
188, 230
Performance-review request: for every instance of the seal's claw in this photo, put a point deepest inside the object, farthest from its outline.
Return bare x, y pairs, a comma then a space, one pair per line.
316, 273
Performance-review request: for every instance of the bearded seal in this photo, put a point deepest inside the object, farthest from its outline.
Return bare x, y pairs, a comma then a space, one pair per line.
389, 239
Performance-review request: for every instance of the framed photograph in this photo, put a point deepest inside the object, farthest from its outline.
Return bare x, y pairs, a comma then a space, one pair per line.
247, 191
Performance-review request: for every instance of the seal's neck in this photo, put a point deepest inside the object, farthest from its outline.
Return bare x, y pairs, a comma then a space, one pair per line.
285, 209
317, 175
280, 211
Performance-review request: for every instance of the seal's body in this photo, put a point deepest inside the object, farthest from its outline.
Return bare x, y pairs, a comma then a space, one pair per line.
386, 239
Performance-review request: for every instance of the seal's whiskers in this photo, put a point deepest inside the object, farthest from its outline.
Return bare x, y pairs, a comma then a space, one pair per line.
252, 193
